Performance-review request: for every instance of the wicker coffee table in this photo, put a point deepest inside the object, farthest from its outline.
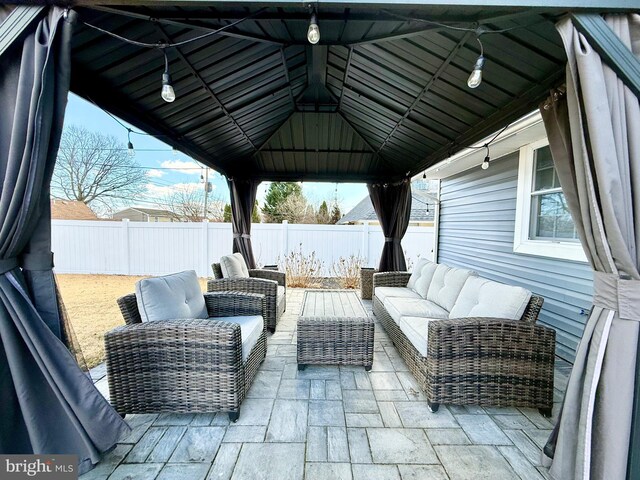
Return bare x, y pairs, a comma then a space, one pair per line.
334, 329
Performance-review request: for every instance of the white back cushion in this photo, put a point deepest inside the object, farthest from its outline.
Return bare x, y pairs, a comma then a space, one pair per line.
243, 263
417, 271
422, 285
170, 297
446, 285
231, 267
484, 298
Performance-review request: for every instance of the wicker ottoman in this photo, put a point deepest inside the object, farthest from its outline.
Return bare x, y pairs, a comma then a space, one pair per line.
334, 329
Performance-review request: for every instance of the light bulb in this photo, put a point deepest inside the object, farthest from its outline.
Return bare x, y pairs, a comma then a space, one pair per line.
168, 95
485, 163
130, 150
313, 33
424, 176
475, 79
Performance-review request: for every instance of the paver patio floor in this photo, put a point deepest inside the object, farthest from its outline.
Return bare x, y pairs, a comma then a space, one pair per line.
331, 422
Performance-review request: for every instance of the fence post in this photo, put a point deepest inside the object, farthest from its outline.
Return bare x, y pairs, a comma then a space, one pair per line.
365, 243
205, 249
285, 240
127, 254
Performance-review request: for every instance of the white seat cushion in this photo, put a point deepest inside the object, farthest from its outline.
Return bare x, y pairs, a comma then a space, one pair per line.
251, 327
243, 263
422, 285
416, 330
170, 297
281, 292
413, 307
384, 292
484, 298
417, 271
231, 267
446, 285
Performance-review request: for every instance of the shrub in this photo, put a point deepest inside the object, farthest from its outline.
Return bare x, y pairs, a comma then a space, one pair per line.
348, 271
302, 270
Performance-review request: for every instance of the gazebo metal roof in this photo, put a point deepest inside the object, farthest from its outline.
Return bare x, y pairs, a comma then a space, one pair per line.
384, 95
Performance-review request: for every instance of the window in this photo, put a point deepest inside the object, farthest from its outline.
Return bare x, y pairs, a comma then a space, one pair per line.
543, 223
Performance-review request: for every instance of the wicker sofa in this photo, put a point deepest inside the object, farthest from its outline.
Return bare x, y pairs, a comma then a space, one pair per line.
184, 365
270, 283
477, 360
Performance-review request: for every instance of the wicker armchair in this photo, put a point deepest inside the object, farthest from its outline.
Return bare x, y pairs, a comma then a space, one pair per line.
183, 365
478, 361
264, 282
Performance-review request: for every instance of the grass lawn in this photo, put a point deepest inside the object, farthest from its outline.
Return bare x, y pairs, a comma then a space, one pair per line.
91, 305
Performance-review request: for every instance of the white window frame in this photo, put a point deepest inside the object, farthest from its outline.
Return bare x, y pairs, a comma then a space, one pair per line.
522, 244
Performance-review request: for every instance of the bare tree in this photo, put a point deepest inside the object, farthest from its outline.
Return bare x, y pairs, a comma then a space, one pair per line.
296, 209
95, 169
186, 203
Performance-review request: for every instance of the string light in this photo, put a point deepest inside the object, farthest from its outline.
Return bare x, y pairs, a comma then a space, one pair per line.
424, 175
487, 159
167, 94
130, 150
475, 79
313, 33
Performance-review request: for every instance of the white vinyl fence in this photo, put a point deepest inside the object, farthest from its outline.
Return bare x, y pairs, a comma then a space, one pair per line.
139, 248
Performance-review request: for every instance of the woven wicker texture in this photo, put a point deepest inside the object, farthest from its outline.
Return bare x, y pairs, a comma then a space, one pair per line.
366, 282
334, 329
263, 282
183, 365
482, 361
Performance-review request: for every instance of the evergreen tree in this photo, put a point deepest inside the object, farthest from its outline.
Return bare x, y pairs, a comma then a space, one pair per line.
323, 213
276, 196
336, 215
255, 215
226, 216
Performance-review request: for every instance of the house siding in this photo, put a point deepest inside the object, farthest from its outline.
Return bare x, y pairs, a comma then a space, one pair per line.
477, 221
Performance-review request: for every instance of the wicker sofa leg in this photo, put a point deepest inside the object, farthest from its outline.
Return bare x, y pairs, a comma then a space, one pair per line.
545, 412
234, 416
433, 407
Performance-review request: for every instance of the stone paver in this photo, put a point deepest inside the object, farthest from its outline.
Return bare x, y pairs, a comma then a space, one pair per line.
332, 422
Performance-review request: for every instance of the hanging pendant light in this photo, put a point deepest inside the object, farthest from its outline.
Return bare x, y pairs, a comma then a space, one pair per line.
475, 79
167, 94
130, 150
487, 159
313, 33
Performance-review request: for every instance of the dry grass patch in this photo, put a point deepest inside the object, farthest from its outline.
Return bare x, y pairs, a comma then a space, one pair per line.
90, 301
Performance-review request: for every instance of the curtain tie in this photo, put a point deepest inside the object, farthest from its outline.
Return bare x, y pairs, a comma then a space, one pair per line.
7, 264
389, 239
241, 235
37, 261
618, 294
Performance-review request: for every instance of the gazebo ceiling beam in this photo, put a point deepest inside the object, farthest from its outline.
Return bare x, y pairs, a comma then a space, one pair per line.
434, 78
208, 89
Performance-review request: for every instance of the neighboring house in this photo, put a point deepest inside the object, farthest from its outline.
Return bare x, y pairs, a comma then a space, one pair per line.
422, 210
138, 214
71, 210
510, 223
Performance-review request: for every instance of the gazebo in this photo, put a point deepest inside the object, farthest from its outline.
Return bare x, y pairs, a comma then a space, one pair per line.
364, 91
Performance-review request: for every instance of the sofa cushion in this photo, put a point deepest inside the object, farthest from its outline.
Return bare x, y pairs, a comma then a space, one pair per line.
422, 285
170, 297
484, 298
383, 292
243, 263
232, 267
413, 307
251, 327
446, 285
417, 271
416, 330
280, 293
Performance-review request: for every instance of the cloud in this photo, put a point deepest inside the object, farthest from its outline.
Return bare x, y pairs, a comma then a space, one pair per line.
163, 191
153, 173
182, 166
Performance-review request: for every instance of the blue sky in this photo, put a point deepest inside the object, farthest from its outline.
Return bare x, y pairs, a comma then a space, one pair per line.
168, 169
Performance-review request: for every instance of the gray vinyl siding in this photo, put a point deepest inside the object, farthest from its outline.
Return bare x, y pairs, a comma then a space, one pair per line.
477, 221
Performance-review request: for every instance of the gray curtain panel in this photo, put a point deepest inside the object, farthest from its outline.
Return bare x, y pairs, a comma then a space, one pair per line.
243, 197
48, 404
594, 135
392, 203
